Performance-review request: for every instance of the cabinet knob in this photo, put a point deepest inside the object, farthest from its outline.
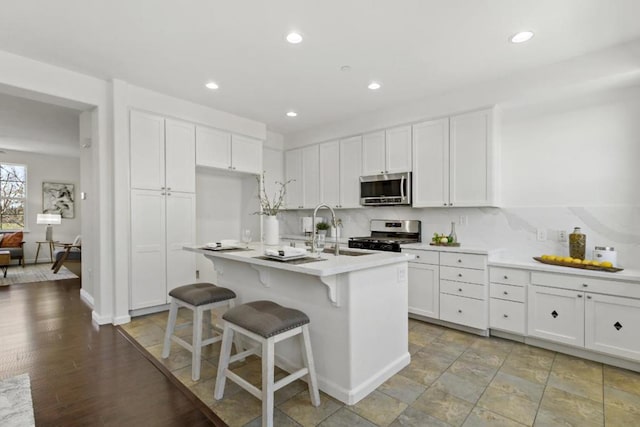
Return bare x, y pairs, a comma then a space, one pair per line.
162, 188
459, 260
459, 311
588, 296
505, 315
163, 193
459, 289
506, 277
450, 204
579, 295
417, 256
445, 204
584, 285
459, 274
505, 292
168, 194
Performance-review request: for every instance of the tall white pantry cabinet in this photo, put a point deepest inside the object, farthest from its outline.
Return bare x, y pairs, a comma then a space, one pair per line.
163, 207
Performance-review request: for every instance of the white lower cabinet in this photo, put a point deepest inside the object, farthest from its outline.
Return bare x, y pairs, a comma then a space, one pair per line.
507, 302
161, 224
463, 311
424, 284
556, 315
612, 325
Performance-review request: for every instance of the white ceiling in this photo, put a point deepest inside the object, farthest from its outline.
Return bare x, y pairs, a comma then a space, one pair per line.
415, 48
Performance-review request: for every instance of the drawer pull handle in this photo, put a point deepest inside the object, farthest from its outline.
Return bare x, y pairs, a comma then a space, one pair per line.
584, 285
459, 289
505, 315
505, 292
459, 274
506, 277
459, 311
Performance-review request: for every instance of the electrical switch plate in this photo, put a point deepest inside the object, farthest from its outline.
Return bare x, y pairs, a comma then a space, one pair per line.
541, 234
562, 236
463, 220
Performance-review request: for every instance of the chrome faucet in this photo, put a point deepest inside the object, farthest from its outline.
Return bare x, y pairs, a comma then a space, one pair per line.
333, 222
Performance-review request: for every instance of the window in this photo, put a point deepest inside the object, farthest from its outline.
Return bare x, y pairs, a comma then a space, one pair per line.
13, 196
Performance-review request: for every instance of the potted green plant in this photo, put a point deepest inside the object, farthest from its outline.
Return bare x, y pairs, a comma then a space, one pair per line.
322, 228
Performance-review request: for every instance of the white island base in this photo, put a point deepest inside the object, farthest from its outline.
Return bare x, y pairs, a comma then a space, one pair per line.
358, 318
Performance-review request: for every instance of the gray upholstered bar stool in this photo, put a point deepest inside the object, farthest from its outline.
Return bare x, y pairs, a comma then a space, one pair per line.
266, 323
199, 298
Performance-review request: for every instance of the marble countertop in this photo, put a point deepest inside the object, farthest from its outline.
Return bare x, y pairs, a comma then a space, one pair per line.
425, 246
331, 265
626, 274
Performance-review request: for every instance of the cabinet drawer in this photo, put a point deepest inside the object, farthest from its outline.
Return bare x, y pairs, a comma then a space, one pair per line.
506, 315
586, 283
508, 292
508, 276
424, 257
463, 260
464, 311
463, 289
463, 275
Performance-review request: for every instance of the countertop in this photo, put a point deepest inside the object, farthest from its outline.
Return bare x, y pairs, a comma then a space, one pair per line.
626, 274
331, 265
425, 246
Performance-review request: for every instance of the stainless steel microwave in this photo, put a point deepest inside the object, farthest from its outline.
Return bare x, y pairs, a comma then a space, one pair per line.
385, 189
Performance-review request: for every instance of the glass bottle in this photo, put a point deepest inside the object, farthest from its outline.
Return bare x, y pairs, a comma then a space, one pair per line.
452, 238
577, 244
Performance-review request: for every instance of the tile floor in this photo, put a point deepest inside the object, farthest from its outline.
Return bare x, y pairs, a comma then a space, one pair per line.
454, 379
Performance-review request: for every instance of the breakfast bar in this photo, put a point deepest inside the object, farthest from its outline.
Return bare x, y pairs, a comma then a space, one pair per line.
356, 301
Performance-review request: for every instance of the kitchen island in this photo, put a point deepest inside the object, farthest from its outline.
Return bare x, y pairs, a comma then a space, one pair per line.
357, 306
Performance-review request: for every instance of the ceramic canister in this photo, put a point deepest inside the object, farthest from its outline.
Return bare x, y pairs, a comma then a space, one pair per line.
605, 253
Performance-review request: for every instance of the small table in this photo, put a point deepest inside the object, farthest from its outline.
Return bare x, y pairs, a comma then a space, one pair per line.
5, 260
51, 243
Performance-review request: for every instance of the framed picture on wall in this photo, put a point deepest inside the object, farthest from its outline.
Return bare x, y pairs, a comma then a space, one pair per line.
58, 199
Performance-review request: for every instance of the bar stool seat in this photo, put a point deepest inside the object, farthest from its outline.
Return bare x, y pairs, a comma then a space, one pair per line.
199, 298
266, 323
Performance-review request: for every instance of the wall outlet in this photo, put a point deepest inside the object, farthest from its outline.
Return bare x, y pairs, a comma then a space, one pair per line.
562, 235
541, 234
197, 274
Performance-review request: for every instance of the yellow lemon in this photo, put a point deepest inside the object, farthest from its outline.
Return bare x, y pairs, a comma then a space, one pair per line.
545, 257
596, 263
552, 258
606, 264
577, 261
586, 262
567, 259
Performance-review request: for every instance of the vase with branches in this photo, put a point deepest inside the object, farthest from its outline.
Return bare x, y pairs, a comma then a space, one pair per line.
271, 205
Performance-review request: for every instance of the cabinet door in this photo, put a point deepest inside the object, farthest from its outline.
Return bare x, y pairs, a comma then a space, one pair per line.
373, 153
147, 151
246, 154
293, 173
398, 149
612, 325
213, 148
424, 290
330, 171
310, 176
180, 149
431, 163
471, 161
556, 315
148, 280
180, 232
350, 171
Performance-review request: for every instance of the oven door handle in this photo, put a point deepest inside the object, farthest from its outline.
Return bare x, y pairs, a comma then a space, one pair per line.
402, 180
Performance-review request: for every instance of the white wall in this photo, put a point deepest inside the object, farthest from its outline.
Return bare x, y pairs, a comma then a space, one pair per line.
45, 168
566, 162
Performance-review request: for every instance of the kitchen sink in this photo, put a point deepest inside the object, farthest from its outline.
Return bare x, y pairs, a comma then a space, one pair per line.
345, 252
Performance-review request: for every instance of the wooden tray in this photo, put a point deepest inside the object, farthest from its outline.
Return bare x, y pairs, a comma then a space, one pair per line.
582, 266
453, 245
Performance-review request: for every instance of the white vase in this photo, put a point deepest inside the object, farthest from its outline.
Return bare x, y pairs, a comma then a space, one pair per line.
271, 230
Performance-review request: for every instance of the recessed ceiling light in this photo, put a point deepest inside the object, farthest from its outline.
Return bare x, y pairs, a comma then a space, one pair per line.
345, 68
292, 114
294, 38
212, 85
522, 37
374, 86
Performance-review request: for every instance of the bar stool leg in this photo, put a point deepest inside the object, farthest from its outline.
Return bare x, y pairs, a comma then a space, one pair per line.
268, 361
171, 324
307, 356
225, 354
196, 344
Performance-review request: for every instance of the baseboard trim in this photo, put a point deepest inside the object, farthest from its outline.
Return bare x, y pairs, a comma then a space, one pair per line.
463, 328
86, 298
148, 310
99, 319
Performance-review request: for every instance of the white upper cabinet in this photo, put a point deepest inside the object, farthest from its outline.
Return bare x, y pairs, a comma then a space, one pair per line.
223, 150
147, 151
431, 163
387, 151
454, 161
162, 153
472, 160
180, 154
330, 172
311, 176
293, 174
350, 172
213, 148
374, 153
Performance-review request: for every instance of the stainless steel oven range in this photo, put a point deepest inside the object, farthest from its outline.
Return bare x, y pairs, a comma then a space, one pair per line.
388, 235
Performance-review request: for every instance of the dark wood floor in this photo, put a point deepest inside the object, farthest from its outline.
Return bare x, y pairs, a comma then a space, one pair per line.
82, 374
